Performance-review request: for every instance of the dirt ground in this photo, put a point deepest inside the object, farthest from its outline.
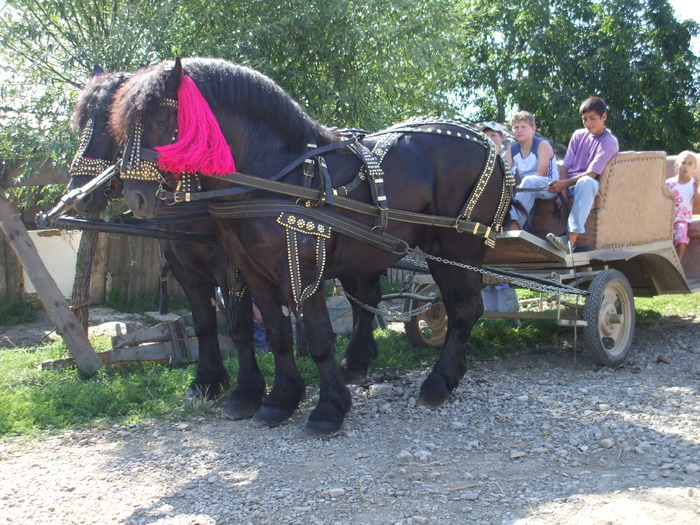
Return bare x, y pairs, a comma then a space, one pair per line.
527, 440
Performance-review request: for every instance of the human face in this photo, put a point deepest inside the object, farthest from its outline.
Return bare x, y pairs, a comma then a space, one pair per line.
686, 166
593, 122
523, 131
495, 136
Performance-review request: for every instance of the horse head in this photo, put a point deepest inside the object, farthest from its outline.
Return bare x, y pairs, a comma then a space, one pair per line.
195, 116
97, 150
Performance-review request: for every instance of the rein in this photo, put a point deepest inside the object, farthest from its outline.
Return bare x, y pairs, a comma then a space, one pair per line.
182, 196
273, 184
311, 194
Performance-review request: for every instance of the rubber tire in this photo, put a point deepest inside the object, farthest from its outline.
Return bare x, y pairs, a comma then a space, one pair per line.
434, 319
609, 338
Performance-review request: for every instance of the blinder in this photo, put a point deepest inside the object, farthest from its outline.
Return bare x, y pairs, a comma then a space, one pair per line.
142, 164
83, 166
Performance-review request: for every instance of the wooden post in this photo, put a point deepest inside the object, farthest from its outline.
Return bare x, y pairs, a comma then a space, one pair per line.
67, 325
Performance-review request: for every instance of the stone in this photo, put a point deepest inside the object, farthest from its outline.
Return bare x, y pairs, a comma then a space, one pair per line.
606, 443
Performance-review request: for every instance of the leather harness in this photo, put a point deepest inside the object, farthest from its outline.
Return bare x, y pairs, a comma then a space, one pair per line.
312, 213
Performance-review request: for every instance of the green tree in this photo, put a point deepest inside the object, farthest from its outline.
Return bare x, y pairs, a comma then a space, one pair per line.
550, 55
49, 49
349, 63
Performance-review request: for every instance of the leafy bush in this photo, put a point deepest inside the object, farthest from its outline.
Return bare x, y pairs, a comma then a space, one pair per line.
138, 303
18, 312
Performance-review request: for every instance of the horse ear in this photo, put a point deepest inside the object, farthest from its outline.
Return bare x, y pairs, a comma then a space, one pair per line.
172, 83
97, 70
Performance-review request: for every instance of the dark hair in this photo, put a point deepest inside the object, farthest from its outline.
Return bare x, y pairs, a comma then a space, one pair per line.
596, 104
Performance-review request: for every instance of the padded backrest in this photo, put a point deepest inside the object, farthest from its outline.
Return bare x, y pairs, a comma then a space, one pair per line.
632, 206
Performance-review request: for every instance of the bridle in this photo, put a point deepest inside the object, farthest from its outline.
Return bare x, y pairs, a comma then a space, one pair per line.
141, 164
84, 166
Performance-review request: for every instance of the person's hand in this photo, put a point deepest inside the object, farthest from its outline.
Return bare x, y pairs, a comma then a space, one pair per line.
557, 186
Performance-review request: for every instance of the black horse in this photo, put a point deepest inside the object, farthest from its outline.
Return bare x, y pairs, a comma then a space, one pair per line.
439, 178
198, 268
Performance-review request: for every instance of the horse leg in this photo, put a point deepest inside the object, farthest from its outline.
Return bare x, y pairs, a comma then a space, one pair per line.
211, 373
247, 397
362, 348
334, 398
288, 388
461, 292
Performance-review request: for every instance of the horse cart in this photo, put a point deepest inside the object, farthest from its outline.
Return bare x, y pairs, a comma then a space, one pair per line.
278, 232
628, 252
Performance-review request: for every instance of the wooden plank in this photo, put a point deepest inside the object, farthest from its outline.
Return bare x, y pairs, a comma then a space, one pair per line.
159, 333
55, 304
99, 272
152, 352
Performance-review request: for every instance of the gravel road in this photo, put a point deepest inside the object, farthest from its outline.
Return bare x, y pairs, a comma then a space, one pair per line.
526, 440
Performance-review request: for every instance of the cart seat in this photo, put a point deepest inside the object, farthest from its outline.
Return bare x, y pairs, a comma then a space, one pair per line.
631, 210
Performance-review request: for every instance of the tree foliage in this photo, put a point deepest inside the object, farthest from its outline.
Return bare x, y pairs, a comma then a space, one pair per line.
548, 56
369, 63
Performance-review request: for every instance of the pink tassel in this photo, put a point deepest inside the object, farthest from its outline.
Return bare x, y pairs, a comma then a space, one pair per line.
201, 147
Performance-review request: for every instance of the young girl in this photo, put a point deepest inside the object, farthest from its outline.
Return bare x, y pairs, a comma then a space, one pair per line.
685, 189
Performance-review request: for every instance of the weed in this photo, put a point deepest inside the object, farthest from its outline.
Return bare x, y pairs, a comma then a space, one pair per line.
17, 312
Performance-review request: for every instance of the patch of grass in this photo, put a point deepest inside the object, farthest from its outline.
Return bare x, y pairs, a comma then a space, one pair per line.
34, 400
137, 303
17, 312
651, 309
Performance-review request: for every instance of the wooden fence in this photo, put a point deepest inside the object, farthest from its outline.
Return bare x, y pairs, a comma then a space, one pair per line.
131, 265
11, 274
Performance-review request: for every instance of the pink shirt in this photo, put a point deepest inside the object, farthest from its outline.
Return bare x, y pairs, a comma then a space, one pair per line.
588, 152
684, 194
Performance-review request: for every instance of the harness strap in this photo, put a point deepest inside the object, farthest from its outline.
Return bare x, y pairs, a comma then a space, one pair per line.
301, 294
466, 132
506, 195
309, 165
372, 166
325, 220
463, 225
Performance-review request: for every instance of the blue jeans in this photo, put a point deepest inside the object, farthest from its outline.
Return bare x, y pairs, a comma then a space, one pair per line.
583, 192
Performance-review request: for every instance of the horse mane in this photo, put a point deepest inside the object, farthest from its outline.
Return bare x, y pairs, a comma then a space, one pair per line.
226, 87
97, 96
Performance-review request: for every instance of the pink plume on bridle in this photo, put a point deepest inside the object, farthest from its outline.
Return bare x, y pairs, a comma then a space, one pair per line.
201, 147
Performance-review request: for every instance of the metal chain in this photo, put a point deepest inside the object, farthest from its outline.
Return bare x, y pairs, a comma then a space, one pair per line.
554, 288
389, 313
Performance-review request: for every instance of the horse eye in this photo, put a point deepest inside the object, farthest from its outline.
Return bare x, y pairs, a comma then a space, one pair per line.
161, 123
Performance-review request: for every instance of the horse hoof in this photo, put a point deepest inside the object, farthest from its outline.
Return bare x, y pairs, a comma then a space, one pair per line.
353, 374
271, 416
432, 399
322, 428
351, 377
237, 411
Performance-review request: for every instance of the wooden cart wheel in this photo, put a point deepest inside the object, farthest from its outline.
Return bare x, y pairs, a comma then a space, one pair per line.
428, 328
611, 318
